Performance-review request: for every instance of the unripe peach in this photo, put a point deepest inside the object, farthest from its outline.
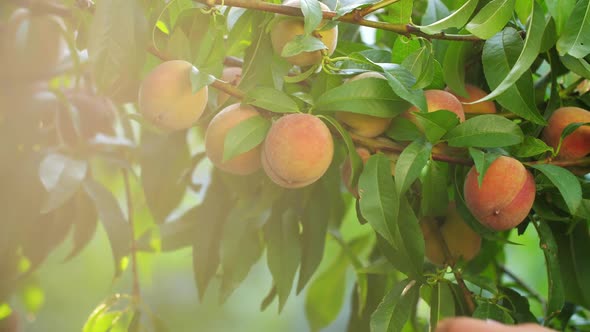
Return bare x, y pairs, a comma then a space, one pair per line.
346, 170
242, 164
577, 144
439, 100
362, 124
474, 93
297, 151
287, 28
231, 75
166, 97
32, 44
461, 241
506, 194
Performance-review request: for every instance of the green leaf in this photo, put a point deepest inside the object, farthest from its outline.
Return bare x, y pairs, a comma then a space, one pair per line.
378, 199
61, 176
312, 13
84, 225
112, 219
271, 99
435, 199
403, 47
302, 43
575, 37
402, 82
520, 306
532, 46
500, 53
556, 297
178, 46
492, 311
574, 244
395, 308
325, 295
245, 136
283, 250
561, 11
491, 18
436, 124
410, 164
313, 235
578, 66
485, 131
163, 159
200, 79
421, 65
454, 66
402, 129
442, 303
567, 184
530, 147
482, 162
371, 96
116, 46
455, 20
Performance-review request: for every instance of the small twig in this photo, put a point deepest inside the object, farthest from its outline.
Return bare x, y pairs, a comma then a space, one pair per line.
376, 6
458, 277
354, 17
523, 285
563, 163
130, 216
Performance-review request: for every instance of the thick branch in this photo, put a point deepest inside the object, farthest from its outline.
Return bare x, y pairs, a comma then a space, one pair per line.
355, 17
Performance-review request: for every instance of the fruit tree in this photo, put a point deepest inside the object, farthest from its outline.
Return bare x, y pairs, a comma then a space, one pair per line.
445, 129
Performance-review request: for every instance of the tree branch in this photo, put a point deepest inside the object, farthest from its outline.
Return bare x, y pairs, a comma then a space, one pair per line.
355, 17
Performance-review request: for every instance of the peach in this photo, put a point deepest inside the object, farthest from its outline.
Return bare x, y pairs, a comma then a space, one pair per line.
346, 170
362, 124
505, 197
577, 144
439, 100
231, 75
287, 28
166, 98
474, 93
461, 241
297, 151
242, 164
33, 44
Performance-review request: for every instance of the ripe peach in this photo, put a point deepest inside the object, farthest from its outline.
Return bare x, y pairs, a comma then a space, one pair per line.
439, 100
297, 151
166, 98
32, 44
362, 124
460, 239
577, 144
475, 93
287, 28
232, 75
242, 164
506, 194
346, 170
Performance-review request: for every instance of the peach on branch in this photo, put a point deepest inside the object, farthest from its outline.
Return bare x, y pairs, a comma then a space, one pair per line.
577, 144
506, 194
475, 93
439, 100
461, 241
297, 151
287, 28
166, 98
242, 164
231, 75
363, 124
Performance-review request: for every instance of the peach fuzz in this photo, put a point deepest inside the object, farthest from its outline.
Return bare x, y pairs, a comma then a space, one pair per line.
577, 144
242, 164
297, 151
166, 98
287, 28
362, 124
505, 197
475, 93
